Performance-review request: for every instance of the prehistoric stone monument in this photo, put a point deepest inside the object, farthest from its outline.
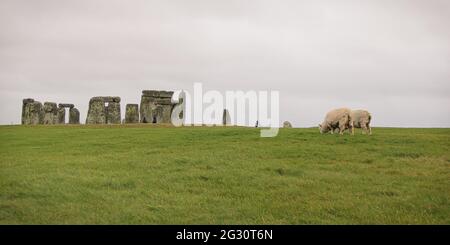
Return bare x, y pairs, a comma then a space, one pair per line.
32, 112
50, 113
226, 119
287, 124
104, 110
132, 113
74, 114
156, 106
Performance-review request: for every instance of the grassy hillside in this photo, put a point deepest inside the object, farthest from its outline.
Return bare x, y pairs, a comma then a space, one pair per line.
140, 174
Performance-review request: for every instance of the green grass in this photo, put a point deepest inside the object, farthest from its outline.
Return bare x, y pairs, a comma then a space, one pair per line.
139, 174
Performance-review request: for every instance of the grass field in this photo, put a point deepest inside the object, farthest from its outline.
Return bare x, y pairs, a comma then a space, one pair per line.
139, 174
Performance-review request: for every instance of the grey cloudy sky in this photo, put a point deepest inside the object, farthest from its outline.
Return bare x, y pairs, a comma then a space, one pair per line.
389, 56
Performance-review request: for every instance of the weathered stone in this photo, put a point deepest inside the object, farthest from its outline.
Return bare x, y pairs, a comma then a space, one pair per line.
106, 99
25, 116
28, 100
99, 113
25, 102
66, 105
157, 94
50, 113
132, 113
74, 116
96, 113
287, 124
226, 119
32, 112
156, 106
113, 113
61, 115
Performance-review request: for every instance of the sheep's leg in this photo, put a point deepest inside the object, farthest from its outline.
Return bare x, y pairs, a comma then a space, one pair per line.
352, 126
342, 125
341, 129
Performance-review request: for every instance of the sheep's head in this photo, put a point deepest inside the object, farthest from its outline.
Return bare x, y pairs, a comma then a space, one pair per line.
322, 129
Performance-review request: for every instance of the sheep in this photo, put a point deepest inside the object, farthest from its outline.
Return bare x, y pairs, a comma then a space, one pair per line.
337, 118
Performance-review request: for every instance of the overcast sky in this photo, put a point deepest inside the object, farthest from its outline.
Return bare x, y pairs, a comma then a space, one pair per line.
391, 57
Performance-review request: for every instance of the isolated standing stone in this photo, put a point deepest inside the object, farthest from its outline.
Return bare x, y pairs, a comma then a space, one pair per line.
226, 119
287, 124
132, 113
156, 106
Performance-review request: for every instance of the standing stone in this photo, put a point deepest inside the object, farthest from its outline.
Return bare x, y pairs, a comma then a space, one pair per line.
50, 113
99, 113
113, 113
287, 124
25, 110
61, 115
158, 115
132, 113
156, 106
96, 112
226, 119
74, 116
32, 112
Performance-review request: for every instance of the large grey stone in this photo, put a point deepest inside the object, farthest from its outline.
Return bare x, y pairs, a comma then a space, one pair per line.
61, 115
156, 106
66, 105
113, 113
32, 112
132, 113
99, 113
50, 113
74, 116
25, 103
96, 112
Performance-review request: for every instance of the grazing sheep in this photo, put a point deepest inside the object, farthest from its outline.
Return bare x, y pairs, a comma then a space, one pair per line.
287, 124
361, 119
337, 118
